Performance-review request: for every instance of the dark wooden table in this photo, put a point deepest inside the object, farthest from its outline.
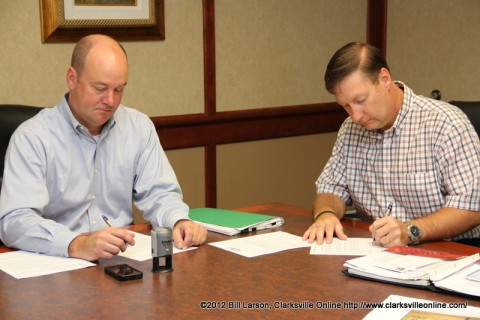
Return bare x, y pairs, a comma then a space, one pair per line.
210, 283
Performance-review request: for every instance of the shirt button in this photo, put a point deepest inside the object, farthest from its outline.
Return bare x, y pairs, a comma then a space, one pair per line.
94, 222
93, 197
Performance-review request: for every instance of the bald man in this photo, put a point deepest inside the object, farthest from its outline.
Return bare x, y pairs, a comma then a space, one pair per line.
88, 157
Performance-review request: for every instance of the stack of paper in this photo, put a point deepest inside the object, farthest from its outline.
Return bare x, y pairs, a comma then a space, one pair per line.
232, 222
419, 271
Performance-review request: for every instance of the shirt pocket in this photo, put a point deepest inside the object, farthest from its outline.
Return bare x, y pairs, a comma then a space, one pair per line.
418, 193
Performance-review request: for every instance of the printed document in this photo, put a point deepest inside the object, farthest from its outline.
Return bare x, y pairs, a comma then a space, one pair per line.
23, 264
261, 244
349, 247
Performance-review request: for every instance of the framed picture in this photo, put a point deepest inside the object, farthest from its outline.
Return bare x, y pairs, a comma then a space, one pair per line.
124, 20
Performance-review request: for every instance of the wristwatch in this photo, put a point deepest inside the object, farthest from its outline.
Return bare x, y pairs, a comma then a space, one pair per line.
414, 233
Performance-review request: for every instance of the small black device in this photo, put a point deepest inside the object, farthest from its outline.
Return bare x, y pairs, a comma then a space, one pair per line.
162, 249
123, 272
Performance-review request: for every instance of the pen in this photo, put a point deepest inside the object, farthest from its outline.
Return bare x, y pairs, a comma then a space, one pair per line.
389, 210
107, 221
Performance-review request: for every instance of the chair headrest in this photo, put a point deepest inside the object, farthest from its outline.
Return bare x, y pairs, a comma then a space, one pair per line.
11, 116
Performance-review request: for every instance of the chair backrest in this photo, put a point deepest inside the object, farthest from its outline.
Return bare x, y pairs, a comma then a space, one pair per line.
472, 110
11, 116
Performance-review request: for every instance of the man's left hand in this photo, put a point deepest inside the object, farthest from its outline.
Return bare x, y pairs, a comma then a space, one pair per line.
187, 233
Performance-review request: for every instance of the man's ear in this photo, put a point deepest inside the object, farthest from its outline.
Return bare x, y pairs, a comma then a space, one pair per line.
71, 77
385, 78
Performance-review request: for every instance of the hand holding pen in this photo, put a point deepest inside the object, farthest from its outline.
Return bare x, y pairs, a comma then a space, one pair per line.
101, 244
388, 213
107, 221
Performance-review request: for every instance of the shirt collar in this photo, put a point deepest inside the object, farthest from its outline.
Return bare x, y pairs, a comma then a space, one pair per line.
404, 109
67, 114
402, 114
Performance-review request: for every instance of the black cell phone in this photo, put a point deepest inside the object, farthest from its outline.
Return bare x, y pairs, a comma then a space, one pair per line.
123, 272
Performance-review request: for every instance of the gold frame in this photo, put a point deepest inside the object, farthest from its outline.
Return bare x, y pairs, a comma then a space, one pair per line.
55, 28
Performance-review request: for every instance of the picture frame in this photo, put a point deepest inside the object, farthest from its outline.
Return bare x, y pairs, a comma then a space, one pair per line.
123, 20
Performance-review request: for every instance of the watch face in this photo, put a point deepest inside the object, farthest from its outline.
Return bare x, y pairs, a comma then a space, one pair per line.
415, 231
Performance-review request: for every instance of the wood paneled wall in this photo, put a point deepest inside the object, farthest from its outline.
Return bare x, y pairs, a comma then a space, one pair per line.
213, 128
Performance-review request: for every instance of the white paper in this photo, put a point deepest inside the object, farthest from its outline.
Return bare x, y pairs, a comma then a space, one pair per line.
399, 313
23, 264
370, 264
408, 267
475, 275
349, 247
461, 283
400, 262
261, 244
142, 250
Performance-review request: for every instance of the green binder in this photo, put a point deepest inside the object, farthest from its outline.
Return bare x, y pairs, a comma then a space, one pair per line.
231, 222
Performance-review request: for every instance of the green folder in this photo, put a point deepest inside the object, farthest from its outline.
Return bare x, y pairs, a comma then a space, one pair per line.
232, 222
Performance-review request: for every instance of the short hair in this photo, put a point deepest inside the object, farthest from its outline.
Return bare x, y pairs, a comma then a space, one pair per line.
352, 57
81, 50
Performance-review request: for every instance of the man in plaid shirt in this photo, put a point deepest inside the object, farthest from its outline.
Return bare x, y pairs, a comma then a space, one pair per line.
408, 163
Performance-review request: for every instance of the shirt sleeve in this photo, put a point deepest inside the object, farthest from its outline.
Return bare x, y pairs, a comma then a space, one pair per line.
22, 199
157, 193
333, 179
459, 166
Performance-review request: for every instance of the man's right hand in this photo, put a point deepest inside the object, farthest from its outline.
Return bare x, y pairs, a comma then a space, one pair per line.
324, 228
102, 244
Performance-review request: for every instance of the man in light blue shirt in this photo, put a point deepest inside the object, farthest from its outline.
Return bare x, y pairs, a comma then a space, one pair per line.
86, 157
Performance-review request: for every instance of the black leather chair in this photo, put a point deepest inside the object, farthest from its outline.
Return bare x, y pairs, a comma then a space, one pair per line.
11, 116
472, 110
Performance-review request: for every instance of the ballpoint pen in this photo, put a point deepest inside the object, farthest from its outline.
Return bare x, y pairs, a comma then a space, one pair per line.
107, 221
387, 214
389, 210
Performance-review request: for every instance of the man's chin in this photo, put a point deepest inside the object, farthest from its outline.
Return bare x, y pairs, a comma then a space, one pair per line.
369, 125
104, 115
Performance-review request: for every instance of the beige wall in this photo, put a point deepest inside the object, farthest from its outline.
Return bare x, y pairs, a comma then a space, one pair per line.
166, 77
435, 44
269, 53
279, 170
274, 52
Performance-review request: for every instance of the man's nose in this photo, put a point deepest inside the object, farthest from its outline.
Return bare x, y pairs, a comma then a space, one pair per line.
108, 99
356, 113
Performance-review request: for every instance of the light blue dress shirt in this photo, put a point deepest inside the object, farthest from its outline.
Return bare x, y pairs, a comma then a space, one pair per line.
59, 180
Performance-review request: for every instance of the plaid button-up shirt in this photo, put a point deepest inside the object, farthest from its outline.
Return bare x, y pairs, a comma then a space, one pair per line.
428, 160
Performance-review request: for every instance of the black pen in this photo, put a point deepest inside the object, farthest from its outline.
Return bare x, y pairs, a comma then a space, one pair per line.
105, 218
